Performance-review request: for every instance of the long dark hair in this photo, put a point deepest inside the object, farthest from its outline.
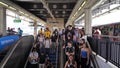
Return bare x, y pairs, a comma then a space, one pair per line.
73, 61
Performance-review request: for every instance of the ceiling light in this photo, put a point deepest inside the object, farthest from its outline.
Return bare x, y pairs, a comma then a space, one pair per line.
56, 12
4, 4
26, 15
72, 17
80, 8
12, 8
41, 11
64, 6
31, 17
75, 14
21, 12
35, 6
83, 3
63, 12
54, 6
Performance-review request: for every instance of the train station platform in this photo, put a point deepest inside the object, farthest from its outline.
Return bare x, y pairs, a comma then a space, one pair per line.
100, 58
68, 19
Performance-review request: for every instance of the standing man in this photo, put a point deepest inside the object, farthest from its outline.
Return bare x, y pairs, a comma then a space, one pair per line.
41, 31
20, 32
69, 33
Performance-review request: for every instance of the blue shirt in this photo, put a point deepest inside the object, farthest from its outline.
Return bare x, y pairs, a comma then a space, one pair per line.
84, 54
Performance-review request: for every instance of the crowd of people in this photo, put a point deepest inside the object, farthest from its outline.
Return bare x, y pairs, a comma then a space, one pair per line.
11, 31
76, 50
45, 43
74, 45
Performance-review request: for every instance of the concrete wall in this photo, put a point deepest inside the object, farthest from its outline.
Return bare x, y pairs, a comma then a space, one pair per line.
2, 20
51, 25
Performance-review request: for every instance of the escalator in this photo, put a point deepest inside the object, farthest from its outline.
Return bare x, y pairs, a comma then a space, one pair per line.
17, 55
7, 42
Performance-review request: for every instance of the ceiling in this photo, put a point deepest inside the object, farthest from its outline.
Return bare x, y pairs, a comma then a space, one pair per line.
59, 8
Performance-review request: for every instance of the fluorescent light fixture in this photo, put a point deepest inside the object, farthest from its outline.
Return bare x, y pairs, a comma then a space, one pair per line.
75, 14
12, 8
30, 16
83, 3
26, 15
21, 12
4, 4
80, 8
80, 17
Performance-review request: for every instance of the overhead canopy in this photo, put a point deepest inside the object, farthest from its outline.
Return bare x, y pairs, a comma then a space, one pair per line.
48, 8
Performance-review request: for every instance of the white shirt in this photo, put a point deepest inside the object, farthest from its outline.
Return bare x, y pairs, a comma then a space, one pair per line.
47, 43
33, 55
41, 39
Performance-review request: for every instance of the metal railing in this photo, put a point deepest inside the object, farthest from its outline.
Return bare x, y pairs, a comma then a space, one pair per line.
92, 57
17, 55
26, 63
107, 48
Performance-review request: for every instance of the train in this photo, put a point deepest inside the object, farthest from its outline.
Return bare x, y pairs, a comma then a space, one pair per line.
112, 29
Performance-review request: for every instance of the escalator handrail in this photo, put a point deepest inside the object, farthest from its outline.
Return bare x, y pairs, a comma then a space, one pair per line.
10, 52
34, 45
28, 57
92, 57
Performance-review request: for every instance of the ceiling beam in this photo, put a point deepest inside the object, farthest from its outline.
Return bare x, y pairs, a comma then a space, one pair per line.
61, 9
47, 8
50, 1
51, 9
61, 1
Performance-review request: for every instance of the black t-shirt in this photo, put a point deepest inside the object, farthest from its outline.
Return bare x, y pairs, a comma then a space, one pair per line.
42, 59
69, 33
53, 38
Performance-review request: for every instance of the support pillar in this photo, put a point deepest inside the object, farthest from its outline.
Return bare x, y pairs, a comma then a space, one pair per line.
35, 29
88, 22
2, 20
